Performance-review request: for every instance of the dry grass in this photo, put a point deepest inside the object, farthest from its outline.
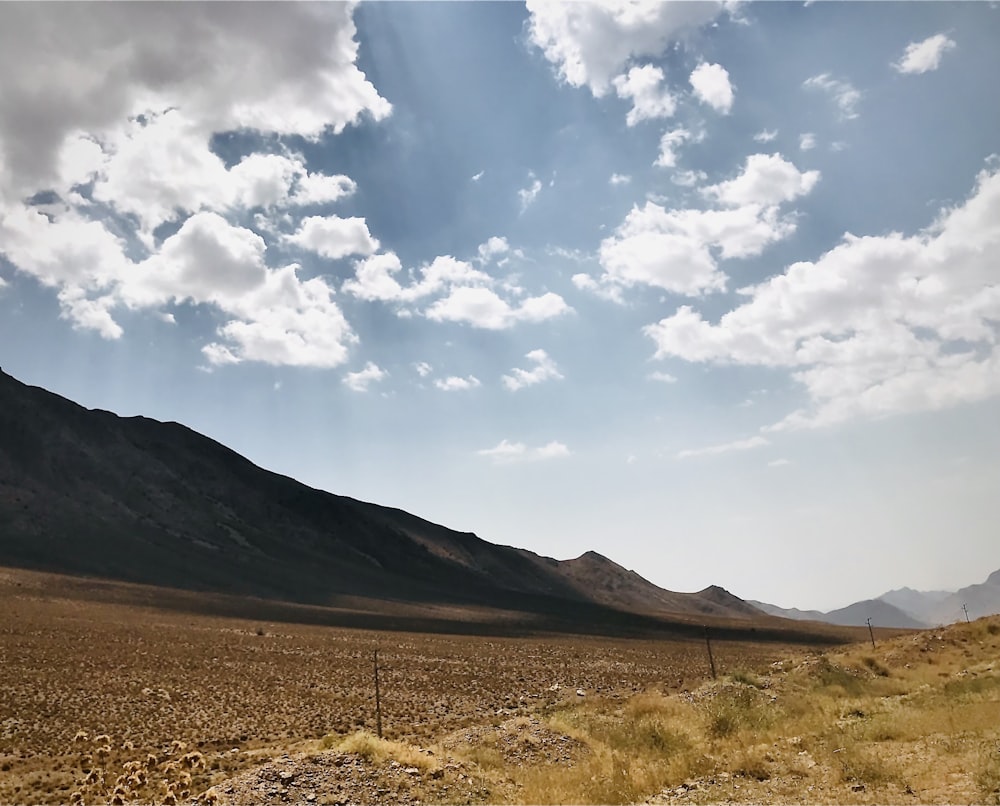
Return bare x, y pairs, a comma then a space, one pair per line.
369, 746
123, 704
243, 692
850, 727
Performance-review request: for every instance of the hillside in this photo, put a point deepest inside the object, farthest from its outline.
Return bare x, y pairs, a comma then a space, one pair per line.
137, 500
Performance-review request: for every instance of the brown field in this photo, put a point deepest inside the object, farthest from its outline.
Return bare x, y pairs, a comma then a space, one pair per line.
240, 691
106, 698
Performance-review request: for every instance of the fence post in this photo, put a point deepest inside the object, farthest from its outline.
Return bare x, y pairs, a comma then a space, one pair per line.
711, 660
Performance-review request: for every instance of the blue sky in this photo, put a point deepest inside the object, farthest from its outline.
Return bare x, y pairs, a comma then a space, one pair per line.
710, 289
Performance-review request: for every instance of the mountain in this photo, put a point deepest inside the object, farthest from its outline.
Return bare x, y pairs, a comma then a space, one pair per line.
881, 613
787, 612
87, 492
904, 607
920, 605
981, 600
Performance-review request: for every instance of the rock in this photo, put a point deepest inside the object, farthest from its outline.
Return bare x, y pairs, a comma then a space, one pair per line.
581, 693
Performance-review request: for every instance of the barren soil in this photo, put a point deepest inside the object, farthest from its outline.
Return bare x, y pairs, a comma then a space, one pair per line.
135, 679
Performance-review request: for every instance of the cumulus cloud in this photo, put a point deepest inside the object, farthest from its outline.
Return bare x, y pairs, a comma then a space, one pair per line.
711, 86
590, 43
922, 57
807, 141
619, 179
423, 368
669, 143
360, 381
878, 325
765, 135
159, 167
120, 136
728, 447
843, 93
456, 384
484, 308
678, 249
274, 316
276, 68
544, 369
507, 452
492, 248
375, 278
463, 294
766, 179
333, 237
650, 100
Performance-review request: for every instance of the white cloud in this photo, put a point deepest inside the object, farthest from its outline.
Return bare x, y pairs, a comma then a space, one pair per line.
278, 68
507, 452
464, 294
765, 135
273, 316
672, 249
922, 57
878, 325
589, 43
423, 368
545, 369
687, 179
728, 447
711, 86
767, 179
483, 308
478, 176
619, 179
528, 195
652, 248
321, 189
375, 278
779, 463
843, 93
492, 247
650, 100
662, 377
334, 237
807, 141
457, 384
360, 381
669, 143
136, 120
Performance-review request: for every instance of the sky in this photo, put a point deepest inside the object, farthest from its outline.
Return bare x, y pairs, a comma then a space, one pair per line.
711, 289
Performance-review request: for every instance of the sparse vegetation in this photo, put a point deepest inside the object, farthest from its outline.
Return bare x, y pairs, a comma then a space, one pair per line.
108, 704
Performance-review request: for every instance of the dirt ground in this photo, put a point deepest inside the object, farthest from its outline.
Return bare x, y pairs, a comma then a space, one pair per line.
240, 693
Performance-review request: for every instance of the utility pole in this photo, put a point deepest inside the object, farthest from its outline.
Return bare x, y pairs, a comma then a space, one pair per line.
966, 609
870, 631
711, 660
378, 701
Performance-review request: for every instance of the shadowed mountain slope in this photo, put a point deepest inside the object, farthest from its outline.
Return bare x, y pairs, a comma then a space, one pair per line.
133, 499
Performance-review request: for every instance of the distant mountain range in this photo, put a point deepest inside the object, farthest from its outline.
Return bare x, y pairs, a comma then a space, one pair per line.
136, 500
905, 607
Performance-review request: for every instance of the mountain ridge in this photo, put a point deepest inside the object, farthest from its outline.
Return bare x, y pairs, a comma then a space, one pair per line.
905, 607
134, 499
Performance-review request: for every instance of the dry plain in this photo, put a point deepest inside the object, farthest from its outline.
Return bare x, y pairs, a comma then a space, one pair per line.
106, 701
